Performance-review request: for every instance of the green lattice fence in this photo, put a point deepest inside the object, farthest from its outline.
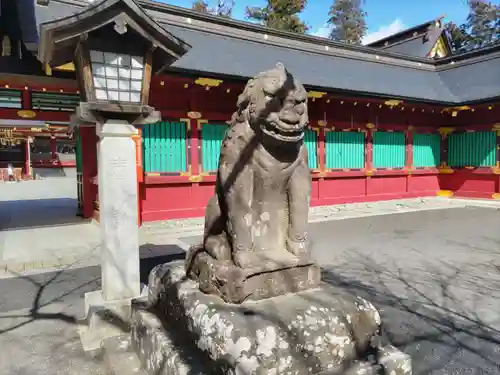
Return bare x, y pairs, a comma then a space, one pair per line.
389, 150
165, 147
472, 149
212, 136
426, 150
311, 143
344, 150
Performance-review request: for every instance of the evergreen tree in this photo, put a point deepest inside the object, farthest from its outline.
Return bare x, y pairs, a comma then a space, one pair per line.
459, 37
482, 23
223, 8
347, 19
201, 6
280, 15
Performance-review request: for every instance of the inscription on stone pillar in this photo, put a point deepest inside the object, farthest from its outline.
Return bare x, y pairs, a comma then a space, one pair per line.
118, 211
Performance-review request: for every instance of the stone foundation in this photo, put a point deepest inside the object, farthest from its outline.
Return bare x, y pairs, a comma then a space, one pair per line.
321, 330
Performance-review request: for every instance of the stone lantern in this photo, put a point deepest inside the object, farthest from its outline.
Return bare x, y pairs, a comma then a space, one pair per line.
115, 47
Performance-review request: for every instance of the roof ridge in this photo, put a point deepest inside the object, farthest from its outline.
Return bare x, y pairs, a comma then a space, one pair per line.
231, 22
339, 53
407, 30
323, 64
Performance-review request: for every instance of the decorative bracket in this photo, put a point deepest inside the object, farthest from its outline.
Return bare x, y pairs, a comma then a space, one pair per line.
208, 82
315, 95
445, 132
444, 193
445, 169
496, 128
26, 113
393, 103
194, 115
454, 110
200, 122
196, 178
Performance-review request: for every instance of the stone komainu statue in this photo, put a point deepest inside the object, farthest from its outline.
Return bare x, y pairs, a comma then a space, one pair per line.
254, 248
256, 223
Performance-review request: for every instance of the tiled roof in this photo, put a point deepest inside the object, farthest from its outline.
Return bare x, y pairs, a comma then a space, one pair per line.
415, 41
473, 81
226, 51
243, 58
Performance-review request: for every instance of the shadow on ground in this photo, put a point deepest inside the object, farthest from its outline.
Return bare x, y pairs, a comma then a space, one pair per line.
38, 213
169, 253
437, 314
442, 313
36, 292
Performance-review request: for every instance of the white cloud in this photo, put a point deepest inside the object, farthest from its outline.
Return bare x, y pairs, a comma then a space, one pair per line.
323, 31
383, 31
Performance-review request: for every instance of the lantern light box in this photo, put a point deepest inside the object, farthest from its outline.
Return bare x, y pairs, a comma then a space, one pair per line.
117, 77
115, 47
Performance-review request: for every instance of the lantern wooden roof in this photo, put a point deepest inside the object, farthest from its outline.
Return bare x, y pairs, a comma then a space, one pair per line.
58, 38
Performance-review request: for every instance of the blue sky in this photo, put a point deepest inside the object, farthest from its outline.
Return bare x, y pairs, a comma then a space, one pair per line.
385, 17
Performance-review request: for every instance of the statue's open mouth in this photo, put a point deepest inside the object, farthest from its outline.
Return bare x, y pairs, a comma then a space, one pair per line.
283, 131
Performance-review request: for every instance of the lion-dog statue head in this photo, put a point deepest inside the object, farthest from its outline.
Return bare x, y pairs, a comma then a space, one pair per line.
276, 103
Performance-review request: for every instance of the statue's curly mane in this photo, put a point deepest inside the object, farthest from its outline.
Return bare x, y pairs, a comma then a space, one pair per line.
244, 100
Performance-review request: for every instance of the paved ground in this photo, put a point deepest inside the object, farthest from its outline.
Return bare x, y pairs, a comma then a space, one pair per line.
434, 274
38, 221
436, 277
39, 228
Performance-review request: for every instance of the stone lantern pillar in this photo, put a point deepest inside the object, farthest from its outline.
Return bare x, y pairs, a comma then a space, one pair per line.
115, 47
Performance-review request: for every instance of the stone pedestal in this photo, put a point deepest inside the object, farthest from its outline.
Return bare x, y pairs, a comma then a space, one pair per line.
108, 311
273, 274
103, 320
320, 330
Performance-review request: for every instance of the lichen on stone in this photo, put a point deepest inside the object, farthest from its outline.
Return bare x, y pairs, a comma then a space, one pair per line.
266, 341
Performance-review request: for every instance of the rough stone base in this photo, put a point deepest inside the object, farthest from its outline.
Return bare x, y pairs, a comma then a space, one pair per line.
164, 351
119, 357
316, 331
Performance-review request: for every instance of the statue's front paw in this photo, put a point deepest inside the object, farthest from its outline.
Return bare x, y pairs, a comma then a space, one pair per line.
298, 248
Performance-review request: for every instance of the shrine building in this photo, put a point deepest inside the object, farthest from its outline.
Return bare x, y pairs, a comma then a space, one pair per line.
399, 118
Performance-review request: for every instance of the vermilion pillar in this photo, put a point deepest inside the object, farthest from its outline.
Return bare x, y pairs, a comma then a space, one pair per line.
140, 173
409, 157
321, 149
53, 147
370, 128
409, 148
89, 169
27, 159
